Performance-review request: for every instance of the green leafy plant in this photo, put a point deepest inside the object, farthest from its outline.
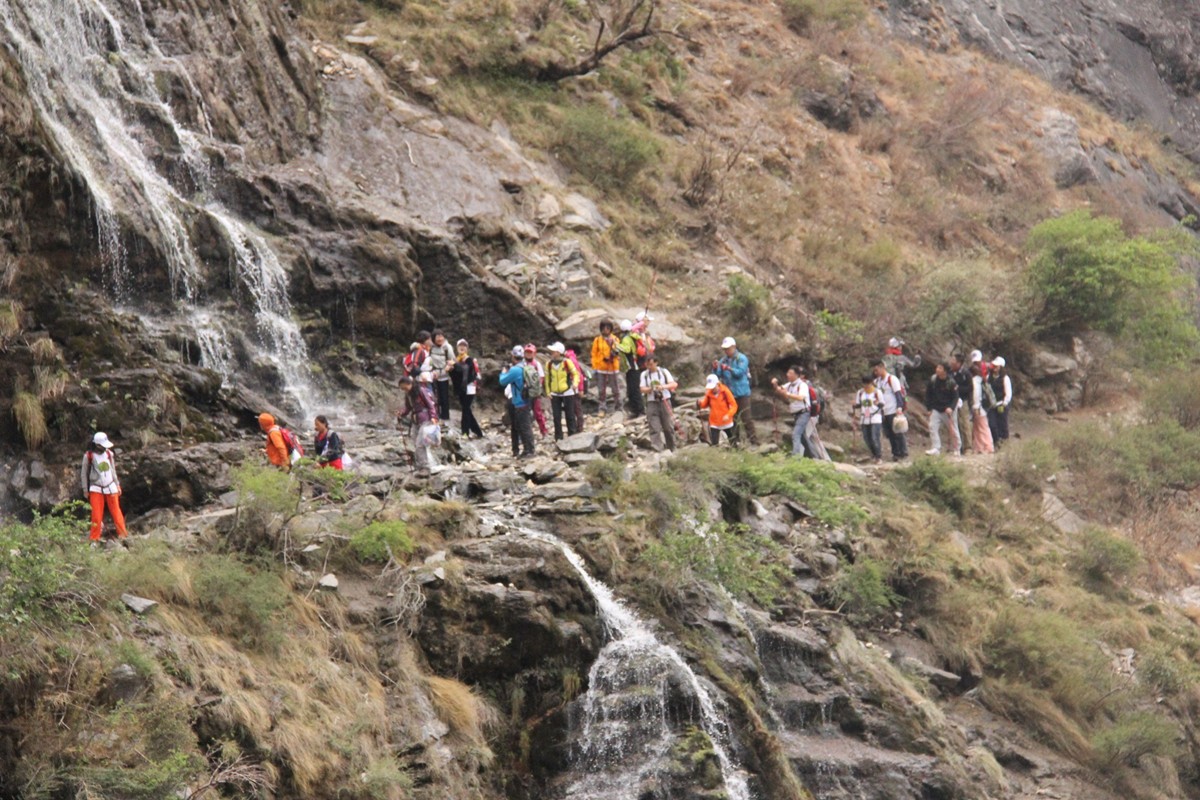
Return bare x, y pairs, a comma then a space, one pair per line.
748, 566
802, 15
748, 303
1025, 465
45, 572
381, 541
1132, 736
604, 475
607, 151
244, 603
942, 484
861, 590
1105, 557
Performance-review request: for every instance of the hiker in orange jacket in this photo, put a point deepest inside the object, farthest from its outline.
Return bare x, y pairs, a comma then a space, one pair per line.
277, 451
606, 364
98, 475
721, 409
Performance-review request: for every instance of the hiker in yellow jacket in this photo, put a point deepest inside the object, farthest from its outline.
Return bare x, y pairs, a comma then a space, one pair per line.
562, 382
606, 363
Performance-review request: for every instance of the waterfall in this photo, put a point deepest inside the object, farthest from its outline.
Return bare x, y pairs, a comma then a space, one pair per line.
627, 735
92, 83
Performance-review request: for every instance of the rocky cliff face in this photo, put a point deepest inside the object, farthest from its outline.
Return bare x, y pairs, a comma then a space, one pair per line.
1139, 60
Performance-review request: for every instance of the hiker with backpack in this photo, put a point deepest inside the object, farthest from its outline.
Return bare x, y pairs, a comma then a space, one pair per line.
799, 396
656, 385
867, 412
982, 399
516, 380
895, 400
420, 411
441, 359
562, 381
941, 397
535, 393
897, 362
1001, 386
98, 478
414, 360
283, 448
327, 444
733, 370
464, 374
606, 364
819, 406
721, 408
580, 390
961, 372
632, 350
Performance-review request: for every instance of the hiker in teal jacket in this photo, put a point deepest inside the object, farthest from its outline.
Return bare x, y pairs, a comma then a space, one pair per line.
733, 370
520, 411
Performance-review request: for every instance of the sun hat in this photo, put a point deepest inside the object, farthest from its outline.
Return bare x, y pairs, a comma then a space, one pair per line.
894, 342
102, 440
626, 325
711, 382
531, 348
518, 352
557, 347
976, 356
728, 341
999, 361
461, 342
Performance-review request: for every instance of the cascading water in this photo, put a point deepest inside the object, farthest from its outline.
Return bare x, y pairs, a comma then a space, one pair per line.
90, 80
627, 732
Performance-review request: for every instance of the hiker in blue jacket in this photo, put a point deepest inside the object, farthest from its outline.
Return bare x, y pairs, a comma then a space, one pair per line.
733, 370
520, 411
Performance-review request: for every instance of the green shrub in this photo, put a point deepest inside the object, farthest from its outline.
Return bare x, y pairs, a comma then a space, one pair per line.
244, 604
381, 541
1131, 463
658, 493
1176, 398
1106, 557
331, 483
748, 303
1164, 672
609, 153
1024, 465
862, 592
152, 779
966, 302
1134, 735
748, 566
802, 15
265, 491
942, 484
605, 475
1049, 652
1087, 273
46, 572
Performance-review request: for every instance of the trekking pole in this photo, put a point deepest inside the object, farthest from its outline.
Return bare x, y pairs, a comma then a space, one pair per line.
650, 293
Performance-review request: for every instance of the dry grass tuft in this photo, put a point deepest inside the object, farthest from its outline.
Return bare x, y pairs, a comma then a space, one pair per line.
31, 419
49, 383
459, 707
45, 351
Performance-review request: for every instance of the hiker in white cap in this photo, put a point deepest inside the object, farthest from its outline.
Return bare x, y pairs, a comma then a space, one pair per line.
98, 476
733, 370
721, 407
562, 382
997, 415
657, 384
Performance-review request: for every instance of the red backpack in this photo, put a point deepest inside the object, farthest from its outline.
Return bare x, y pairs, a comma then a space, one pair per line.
292, 441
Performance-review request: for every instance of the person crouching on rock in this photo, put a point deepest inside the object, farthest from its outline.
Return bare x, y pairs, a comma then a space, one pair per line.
657, 383
98, 476
327, 445
721, 409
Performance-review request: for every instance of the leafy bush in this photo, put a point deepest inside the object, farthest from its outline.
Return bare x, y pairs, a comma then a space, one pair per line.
265, 490
609, 153
1134, 735
802, 15
748, 303
45, 572
1049, 652
380, 541
965, 302
942, 484
605, 475
153, 779
1131, 463
1106, 557
1175, 397
748, 566
1024, 465
243, 603
1088, 274
862, 592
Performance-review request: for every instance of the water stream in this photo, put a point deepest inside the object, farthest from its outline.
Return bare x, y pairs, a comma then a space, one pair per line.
627, 731
92, 68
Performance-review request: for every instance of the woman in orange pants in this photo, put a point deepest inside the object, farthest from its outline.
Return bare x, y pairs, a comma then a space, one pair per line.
98, 475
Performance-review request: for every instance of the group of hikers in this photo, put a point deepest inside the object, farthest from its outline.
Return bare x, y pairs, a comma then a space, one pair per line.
963, 395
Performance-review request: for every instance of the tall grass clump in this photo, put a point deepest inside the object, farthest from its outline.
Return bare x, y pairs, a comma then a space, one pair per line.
382, 541
606, 151
243, 603
942, 484
746, 565
803, 15
862, 592
31, 419
1026, 464
1105, 557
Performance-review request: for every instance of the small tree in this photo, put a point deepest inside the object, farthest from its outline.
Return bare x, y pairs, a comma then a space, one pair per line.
619, 23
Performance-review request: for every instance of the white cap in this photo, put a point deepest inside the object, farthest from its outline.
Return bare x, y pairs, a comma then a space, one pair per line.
557, 347
461, 342
642, 315
976, 356
998, 361
711, 382
894, 342
102, 440
518, 351
414, 346
626, 325
728, 341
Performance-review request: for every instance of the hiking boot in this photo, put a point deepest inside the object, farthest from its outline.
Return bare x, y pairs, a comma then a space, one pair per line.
933, 451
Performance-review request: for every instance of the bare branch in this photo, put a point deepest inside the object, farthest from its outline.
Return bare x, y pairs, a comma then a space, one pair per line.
622, 25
